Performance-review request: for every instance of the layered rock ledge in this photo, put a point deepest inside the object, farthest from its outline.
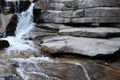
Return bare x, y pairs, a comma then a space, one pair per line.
83, 46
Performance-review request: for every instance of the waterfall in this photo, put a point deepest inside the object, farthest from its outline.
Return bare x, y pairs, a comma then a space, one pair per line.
25, 22
24, 25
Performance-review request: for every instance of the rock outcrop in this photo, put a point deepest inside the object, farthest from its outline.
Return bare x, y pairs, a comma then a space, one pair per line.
11, 27
99, 32
8, 24
80, 11
76, 52
82, 46
46, 69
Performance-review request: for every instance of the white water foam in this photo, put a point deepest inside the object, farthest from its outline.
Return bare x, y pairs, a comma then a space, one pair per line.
25, 22
34, 61
19, 44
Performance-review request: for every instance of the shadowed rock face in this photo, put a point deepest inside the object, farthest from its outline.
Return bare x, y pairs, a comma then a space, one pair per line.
7, 21
11, 27
34, 1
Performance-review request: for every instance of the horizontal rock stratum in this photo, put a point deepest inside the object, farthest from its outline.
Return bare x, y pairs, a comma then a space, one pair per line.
81, 11
98, 32
83, 46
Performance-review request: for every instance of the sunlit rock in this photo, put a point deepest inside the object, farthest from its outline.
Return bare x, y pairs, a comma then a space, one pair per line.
78, 45
102, 32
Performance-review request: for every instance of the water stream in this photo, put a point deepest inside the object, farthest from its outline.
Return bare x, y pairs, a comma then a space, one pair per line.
85, 71
24, 26
25, 22
18, 43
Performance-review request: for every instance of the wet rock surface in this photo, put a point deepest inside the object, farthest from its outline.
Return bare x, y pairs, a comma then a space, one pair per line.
102, 72
63, 69
4, 44
32, 65
53, 55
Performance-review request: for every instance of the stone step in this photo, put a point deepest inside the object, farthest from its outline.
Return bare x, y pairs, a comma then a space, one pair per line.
92, 15
79, 45
98, 32
102, 12
96, 20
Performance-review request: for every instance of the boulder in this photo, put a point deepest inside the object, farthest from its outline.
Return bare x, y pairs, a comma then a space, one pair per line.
82, 46
4, 44
102, 32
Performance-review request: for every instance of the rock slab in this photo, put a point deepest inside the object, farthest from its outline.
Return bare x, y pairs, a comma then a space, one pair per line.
102, 32
83, 46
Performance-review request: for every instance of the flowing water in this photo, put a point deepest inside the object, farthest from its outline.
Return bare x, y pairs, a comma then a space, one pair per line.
25, 24
18, 43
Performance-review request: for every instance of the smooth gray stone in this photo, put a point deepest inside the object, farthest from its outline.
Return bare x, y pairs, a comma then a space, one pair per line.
100, 32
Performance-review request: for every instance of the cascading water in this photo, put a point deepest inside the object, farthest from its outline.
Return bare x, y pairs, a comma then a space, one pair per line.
25, 22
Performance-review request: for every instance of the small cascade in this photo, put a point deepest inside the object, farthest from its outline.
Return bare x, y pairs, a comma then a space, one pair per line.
25, 22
